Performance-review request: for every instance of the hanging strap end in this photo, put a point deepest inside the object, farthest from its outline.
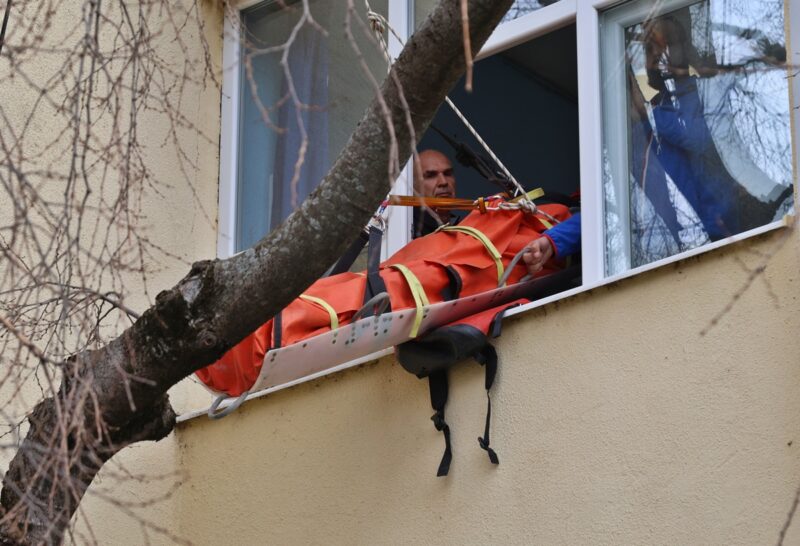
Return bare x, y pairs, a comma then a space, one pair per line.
492, 454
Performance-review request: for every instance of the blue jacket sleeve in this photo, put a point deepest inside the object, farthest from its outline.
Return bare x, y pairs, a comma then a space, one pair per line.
566, 236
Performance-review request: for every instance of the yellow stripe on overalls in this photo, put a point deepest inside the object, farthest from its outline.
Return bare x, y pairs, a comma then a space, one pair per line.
496, 256
418, 291
325, 305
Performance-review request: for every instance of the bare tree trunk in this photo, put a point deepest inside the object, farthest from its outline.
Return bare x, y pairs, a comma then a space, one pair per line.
112, 397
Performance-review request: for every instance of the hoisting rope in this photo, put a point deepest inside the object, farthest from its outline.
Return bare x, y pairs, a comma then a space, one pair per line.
380, 25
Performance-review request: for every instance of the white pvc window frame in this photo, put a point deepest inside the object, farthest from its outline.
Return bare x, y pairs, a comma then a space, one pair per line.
585, 14
399, 226
590, 117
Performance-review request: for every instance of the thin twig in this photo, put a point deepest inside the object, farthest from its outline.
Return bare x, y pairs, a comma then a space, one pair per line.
24, 340
5, 25
467, 44
789, 518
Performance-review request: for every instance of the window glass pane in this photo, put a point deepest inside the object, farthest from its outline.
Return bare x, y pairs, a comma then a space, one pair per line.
697, 142
521, 7
331, 92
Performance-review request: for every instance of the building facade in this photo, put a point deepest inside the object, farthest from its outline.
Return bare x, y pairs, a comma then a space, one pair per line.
656, 403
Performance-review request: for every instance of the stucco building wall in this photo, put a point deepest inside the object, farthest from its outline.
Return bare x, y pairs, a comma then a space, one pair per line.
616, 420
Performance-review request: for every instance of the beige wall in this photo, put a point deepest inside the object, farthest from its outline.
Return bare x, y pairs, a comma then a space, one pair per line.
616, 421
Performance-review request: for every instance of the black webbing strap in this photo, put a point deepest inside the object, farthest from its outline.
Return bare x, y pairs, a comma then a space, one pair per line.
437, 382
277, 326
375, 284
488, 357
347, 259
497, 322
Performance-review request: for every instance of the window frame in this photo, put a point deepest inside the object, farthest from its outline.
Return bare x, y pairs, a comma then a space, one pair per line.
586, 16
590, 120
399, 225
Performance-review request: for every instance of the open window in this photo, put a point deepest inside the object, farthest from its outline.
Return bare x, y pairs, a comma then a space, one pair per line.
525, 106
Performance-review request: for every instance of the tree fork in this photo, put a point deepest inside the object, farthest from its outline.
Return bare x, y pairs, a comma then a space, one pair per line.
116, 395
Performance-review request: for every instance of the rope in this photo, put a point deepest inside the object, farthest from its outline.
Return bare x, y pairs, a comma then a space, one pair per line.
379, 26
485, 146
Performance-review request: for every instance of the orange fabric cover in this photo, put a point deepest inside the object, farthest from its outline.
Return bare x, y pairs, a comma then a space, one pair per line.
426, 257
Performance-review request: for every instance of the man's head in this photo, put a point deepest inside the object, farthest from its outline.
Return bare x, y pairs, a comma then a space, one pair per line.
665, 45
436, 177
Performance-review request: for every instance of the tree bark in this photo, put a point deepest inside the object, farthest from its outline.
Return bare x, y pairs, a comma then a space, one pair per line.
114, 396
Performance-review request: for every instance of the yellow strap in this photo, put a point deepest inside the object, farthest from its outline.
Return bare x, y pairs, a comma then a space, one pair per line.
545, 223
533, 194
496, 256
325, 305
417, 290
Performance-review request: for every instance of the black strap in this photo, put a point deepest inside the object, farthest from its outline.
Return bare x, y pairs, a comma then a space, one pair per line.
375, 284
453, 289
496, 326
488, 357
438, 386
497, 322
277, 326
347, 259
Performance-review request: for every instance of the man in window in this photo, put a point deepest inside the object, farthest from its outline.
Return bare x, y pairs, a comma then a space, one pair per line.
434, 178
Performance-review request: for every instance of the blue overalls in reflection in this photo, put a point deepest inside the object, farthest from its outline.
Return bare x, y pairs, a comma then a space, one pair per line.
685, 149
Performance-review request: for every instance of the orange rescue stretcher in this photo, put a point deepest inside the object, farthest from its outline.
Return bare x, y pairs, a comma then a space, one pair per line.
435, 280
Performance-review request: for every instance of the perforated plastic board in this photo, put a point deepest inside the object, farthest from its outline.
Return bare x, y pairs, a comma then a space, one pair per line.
370, 335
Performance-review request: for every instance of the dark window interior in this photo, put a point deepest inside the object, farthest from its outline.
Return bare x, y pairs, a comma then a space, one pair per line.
525, 106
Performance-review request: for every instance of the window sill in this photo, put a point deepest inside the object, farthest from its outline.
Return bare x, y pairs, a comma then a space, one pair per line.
787, 221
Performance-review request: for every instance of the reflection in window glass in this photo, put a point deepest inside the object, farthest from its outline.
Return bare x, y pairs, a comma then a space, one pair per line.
696, 124
331, 92
521, 7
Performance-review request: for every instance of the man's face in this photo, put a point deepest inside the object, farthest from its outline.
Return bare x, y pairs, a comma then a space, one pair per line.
437, 175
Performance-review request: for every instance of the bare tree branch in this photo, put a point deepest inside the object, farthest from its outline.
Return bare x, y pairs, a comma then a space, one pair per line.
115, 394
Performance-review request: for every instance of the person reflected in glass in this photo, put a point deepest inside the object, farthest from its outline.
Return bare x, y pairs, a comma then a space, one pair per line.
679, 137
